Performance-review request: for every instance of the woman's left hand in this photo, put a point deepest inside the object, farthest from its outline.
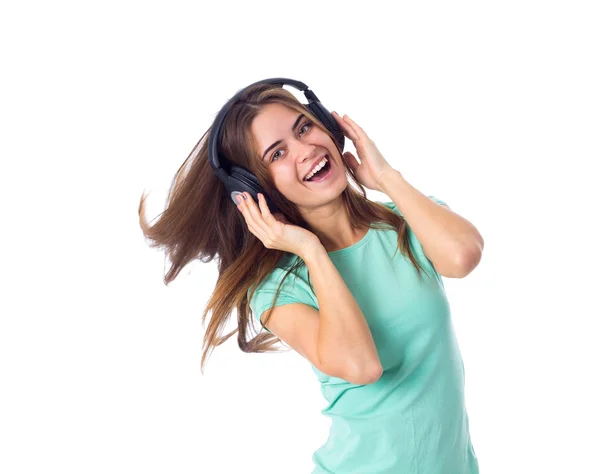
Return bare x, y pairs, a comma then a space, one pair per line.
373, 165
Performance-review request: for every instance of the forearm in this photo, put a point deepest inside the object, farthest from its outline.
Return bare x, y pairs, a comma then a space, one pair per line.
448, 239
345, 344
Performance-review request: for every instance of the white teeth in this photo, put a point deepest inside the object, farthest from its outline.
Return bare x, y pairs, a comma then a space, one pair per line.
316, 168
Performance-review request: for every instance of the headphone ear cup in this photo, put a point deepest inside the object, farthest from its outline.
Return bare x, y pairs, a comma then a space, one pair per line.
248, 178
242, 180
325, 117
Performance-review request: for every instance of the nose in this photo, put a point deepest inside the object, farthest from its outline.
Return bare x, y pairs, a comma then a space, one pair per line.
306, 151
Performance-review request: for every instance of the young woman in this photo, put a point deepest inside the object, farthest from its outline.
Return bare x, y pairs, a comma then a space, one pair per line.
323, 275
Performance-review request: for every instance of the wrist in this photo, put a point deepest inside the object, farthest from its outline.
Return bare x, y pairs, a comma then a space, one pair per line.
311, 250
390, 179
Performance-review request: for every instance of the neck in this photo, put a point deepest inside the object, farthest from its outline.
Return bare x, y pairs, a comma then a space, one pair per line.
331, 224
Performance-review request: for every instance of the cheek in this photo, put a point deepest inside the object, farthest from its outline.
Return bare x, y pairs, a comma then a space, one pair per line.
285, 174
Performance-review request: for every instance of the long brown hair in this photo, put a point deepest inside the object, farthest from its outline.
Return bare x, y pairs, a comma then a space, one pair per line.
201, 222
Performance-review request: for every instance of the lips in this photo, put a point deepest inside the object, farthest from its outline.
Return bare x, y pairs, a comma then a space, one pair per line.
315, 163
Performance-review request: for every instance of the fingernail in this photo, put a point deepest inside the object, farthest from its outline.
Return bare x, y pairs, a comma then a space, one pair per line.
245, 197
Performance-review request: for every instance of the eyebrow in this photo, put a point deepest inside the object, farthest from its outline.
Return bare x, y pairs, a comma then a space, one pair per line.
300, 117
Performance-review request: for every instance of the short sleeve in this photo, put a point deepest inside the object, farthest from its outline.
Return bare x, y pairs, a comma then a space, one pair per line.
416, 243
295, 289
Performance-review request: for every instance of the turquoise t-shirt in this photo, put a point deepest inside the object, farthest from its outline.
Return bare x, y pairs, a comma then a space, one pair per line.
413, 419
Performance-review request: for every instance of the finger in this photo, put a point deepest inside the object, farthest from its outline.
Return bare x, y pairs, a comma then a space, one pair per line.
255, 214
242, 207
360, 133
353, 124
345, 127
254, 227
351, 160
264, 209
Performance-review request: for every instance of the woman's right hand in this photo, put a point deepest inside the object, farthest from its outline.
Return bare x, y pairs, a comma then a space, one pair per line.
275, 231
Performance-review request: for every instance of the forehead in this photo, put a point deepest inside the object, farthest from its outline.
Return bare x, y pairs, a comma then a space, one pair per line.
271, 122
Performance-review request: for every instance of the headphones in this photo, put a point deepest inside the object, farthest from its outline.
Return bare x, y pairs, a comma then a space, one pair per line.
238, 179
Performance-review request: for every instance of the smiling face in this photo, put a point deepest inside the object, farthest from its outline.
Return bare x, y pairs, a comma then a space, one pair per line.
290, 144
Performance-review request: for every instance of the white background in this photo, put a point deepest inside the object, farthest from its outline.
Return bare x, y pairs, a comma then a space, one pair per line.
491, 106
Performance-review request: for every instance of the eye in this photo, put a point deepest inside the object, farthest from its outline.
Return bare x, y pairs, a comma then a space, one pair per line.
306, 124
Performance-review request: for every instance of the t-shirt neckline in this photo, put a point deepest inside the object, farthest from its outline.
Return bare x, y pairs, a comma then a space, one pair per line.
354, 246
